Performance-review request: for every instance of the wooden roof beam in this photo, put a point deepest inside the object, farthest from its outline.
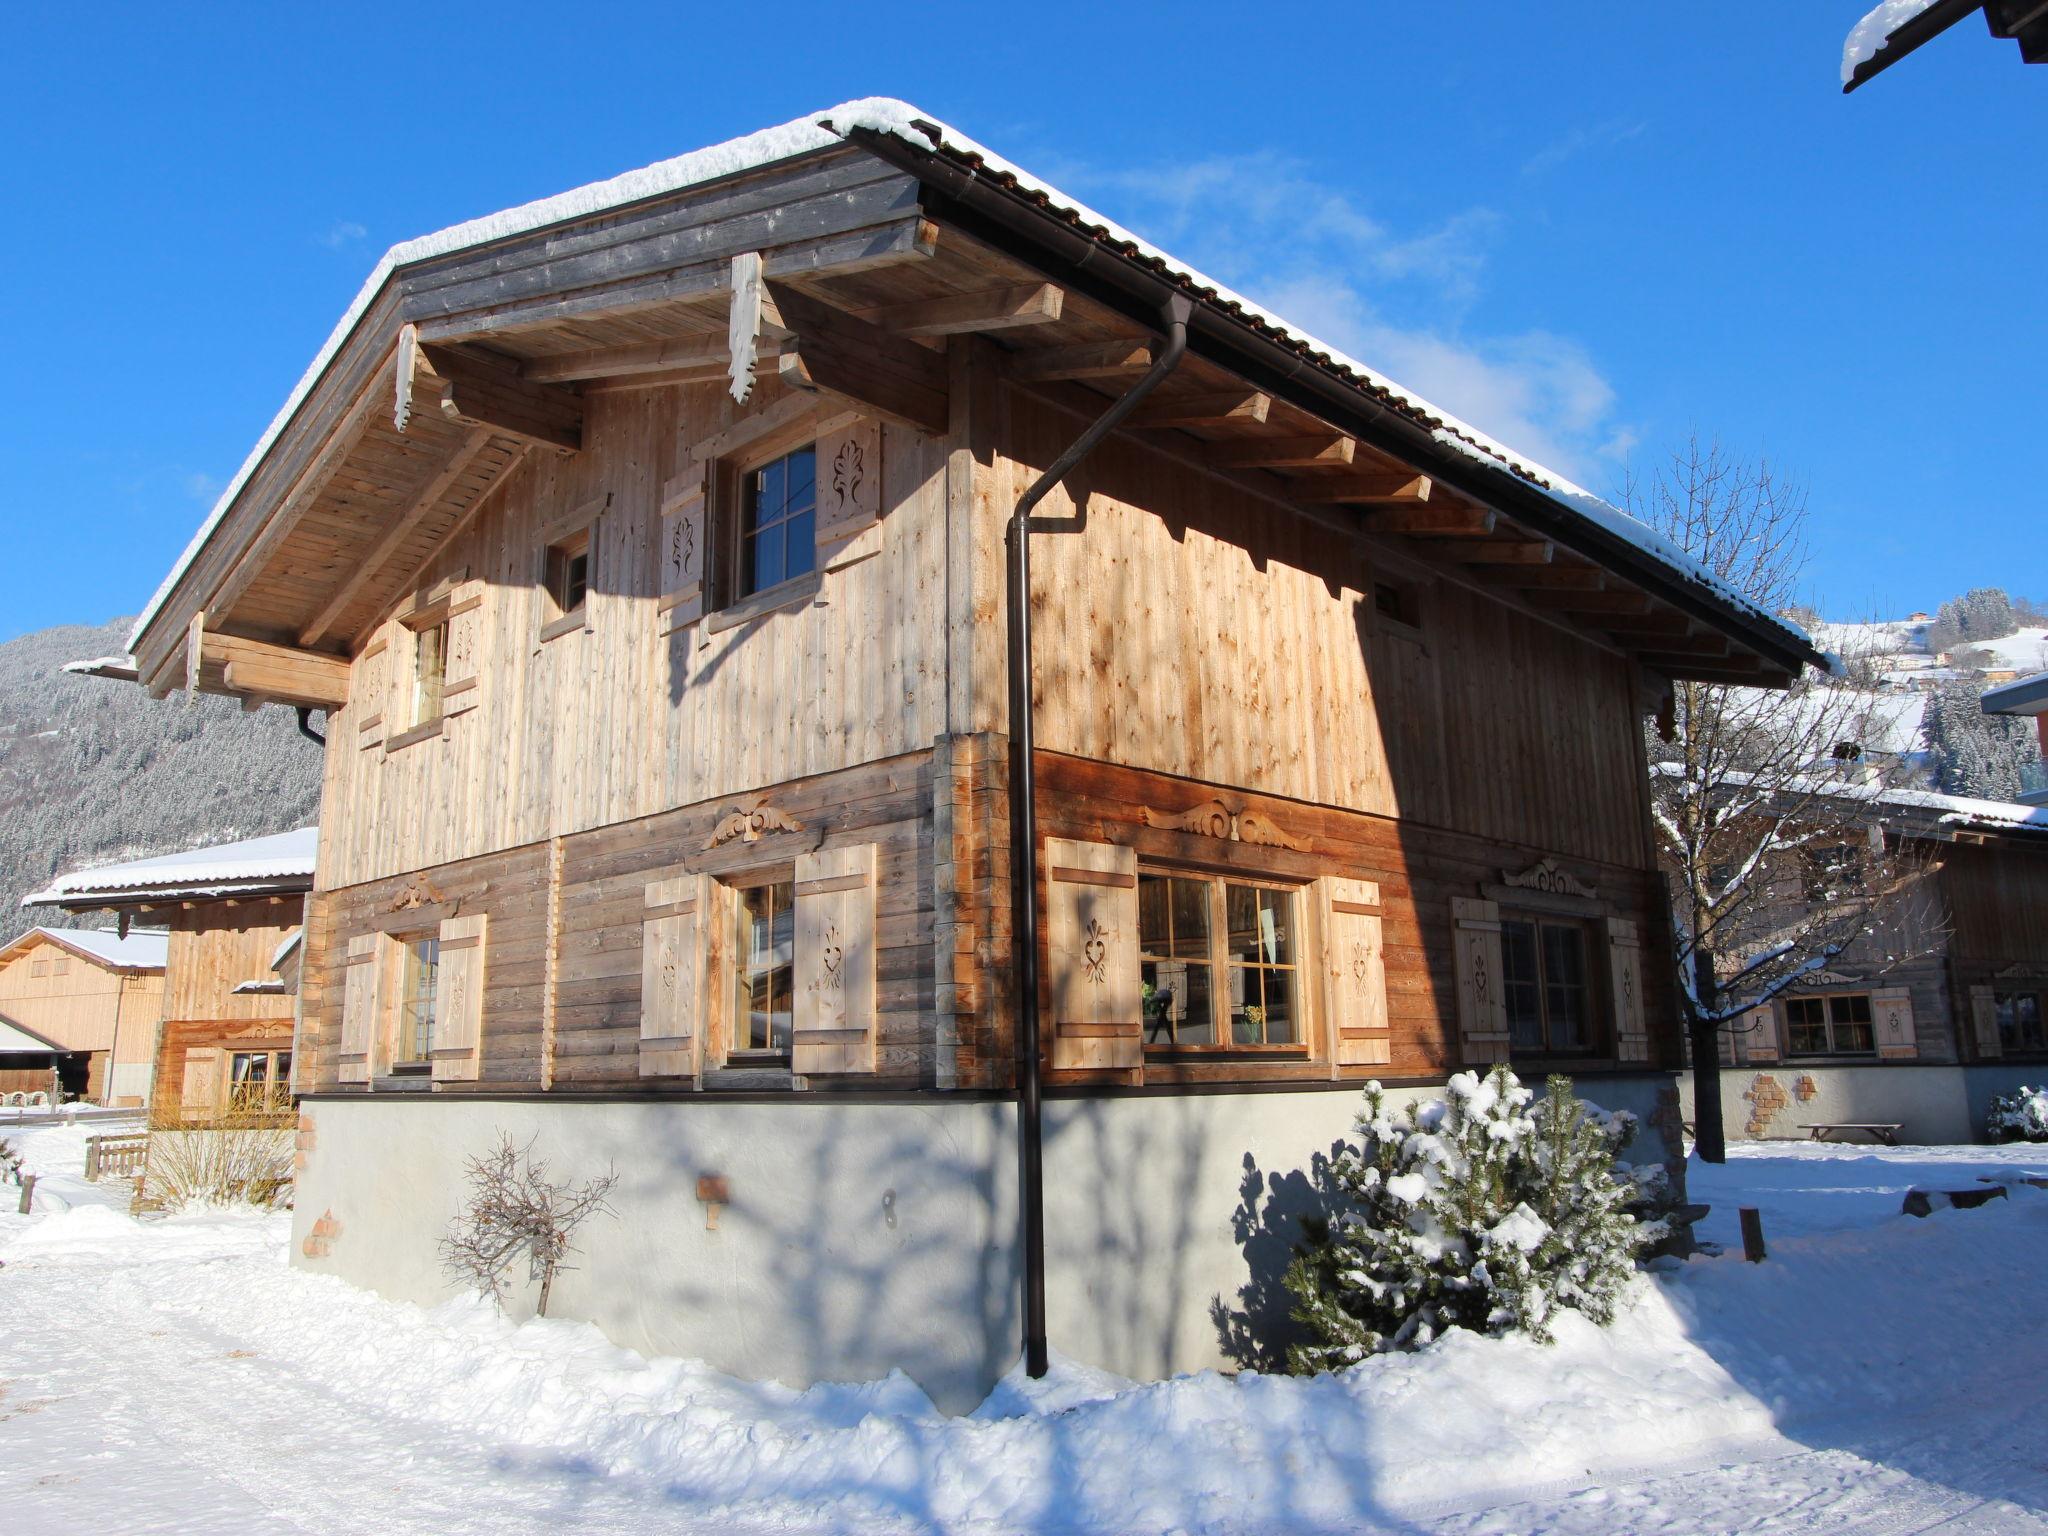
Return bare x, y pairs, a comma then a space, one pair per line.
1401, 487
835, 353
1586, 578
1445, 522
276, 672
1499, 551
1322, 451
1240, 406
1625, 601
677, 355
482, 389
1090, 360
995, 309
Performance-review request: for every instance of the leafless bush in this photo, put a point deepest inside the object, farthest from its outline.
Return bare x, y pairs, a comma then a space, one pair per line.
10, 1164
514, 1210
228, 1159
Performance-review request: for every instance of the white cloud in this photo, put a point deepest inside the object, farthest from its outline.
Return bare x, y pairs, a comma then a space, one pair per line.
1392, 299
1578, 140
342, 232
202, 487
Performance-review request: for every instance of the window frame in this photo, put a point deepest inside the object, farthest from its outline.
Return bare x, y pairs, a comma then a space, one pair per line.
736, 973
2009, 1042
1830, 1024
275, 1083
1596, 1008
557, 560
403, 1021
1219, 963
740, 498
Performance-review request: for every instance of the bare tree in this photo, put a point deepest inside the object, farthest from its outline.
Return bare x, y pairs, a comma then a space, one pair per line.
513, 1210
1762, 798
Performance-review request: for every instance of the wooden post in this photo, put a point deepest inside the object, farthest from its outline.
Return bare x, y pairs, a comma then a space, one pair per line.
1752, 1233
28, 1192
92, 1158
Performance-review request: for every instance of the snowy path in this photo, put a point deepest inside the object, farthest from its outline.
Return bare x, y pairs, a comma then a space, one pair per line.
178, 1377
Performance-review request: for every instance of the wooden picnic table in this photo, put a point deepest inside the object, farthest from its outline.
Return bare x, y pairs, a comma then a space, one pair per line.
1877, 1131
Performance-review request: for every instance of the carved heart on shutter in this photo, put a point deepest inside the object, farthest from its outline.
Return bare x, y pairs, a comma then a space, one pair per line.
1095, 952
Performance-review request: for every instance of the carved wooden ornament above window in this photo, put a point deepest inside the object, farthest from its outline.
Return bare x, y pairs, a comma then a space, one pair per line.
1214, 818
1826, 978
1545, 876
419, 893
748, 821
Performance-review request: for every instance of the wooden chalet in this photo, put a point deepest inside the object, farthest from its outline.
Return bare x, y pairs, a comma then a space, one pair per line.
645, 549
220, 1036
1917, 1025
92, 997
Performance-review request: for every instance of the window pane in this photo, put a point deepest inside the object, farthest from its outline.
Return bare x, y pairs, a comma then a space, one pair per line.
1805, 1024
1564, 994
2028, 1012
1241, 913
801, 472
429, 673
1154, 936
1521, 985
416, 1009
766, 568
1247, 1007
765, 973
800, 545
768, 493
1280, 1008
1190, 919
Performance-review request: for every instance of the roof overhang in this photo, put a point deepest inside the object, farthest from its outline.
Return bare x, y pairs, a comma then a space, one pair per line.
2023, 696
144, 897
2023, 21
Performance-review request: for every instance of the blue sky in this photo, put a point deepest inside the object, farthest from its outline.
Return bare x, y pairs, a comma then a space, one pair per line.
1589, 229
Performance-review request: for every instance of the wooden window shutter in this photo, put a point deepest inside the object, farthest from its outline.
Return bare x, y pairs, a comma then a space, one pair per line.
834, 1028
1760, 1043
849, 468
360, 1000
201, 1088
461, 687
459, 999
1984, 1020
1482, 1010
1354, 961
1091, 903
1625, 973
681, 555
672, 973
1891, 1011
368, 692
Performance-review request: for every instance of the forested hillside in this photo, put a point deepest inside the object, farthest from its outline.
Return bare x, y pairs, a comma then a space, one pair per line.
92, 771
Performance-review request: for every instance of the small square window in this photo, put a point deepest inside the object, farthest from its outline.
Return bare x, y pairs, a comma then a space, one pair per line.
777, 523
568, 575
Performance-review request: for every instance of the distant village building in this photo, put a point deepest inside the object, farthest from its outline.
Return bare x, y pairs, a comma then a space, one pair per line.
1920, 1024
91, 998
645, 550
221, 1037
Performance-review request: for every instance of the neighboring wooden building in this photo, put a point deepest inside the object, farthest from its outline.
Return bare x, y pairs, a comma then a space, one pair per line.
646, 551
1921, 1023
94, 995
225, 1041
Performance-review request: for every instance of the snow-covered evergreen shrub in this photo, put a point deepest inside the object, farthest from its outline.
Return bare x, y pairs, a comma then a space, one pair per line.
10, 1164
2021, 1116
1471, 1211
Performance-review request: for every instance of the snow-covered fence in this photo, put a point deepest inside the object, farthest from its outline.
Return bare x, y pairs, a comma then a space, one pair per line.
119, 1157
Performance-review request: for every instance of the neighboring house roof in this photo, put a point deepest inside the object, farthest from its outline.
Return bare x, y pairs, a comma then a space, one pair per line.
952, 161
284, 948
143, 949
19, 1039
2023, 696
1939, 814
279, 864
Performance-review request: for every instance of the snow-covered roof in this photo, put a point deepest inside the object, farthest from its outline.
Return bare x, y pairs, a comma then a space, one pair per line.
144, 949
19, 1037
887, 116
1869, 34
1961, 812
2022, 696
289, 943
284, 860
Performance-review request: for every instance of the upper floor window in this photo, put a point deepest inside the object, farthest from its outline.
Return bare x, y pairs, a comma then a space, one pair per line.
1544, 985
1838, 1025
568, 575
429, 672
777, 522
414, 1045
2019, 1022
1217, 962
764, 968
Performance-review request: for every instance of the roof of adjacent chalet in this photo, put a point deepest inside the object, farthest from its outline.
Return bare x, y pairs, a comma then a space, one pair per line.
1915, 812
20, 1040
2021, 696
280, 864
877, 211
138, 950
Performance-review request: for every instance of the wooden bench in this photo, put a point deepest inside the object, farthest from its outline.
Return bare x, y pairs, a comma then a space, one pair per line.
1886, 1135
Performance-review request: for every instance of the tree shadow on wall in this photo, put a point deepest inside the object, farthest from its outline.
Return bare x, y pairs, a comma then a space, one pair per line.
1268, 1225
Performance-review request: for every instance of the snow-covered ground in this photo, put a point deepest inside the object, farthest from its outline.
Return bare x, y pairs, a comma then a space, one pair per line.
1877, 1373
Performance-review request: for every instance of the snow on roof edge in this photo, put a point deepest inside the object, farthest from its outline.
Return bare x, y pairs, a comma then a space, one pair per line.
1961, 810
883, 114
279, 855
1868, 37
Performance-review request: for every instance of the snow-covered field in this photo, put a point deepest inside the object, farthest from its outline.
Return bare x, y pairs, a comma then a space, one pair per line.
1877, 1374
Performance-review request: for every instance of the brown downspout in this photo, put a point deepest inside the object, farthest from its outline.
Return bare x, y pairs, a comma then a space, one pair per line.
1024, 831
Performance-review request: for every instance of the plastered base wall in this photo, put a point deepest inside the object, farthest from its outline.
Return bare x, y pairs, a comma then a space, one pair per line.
865, 1237
1933, 1105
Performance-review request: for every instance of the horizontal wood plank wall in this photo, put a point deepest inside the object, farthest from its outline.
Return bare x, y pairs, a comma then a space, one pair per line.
613, 722
214, 948
1418, 870
1193, 630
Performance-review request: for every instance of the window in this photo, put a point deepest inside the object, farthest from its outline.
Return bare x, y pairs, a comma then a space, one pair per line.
1396, 603
568, 575
1544, 985
415, 1043
2019, 1022
777, 514
764, 968
429, 672
1217, 962
1840, 1026
259, 1080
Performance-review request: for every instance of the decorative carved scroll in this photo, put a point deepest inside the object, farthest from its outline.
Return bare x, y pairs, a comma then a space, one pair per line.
420, 893
2021, 971
1826, 978
1545, 876
748, 821
1215, 818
